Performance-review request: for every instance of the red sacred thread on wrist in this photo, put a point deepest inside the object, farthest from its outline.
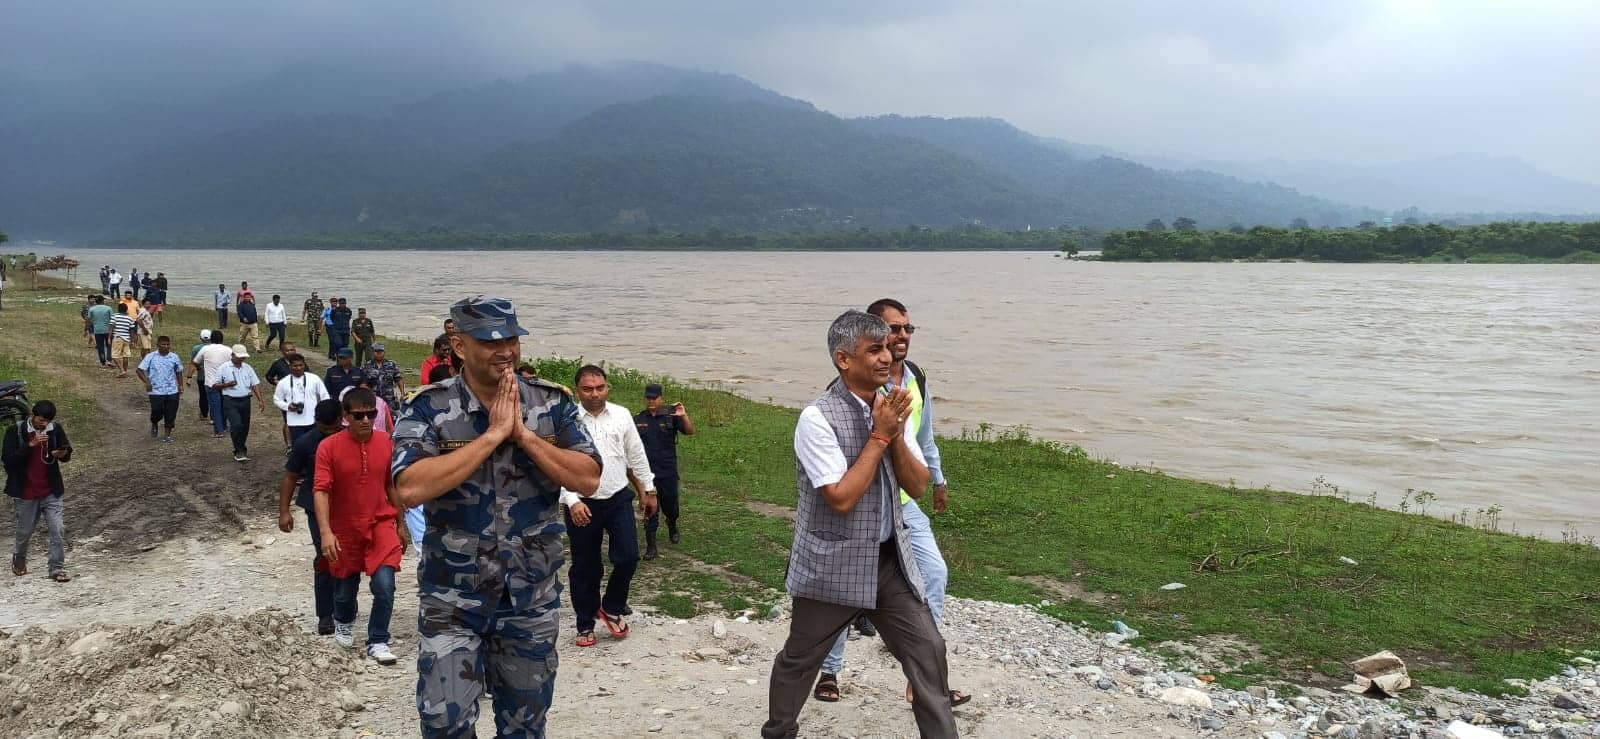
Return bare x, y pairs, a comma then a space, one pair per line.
883, 439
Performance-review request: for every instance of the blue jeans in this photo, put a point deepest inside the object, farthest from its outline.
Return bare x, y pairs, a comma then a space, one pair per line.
102, 347
222, 317
935, 576
321, 581
214, 401
382, 587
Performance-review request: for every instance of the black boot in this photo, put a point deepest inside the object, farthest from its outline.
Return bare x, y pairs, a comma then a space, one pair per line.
672, 531
650, 545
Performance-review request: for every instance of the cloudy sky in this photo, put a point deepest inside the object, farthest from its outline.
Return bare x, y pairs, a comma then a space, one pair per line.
1356, 80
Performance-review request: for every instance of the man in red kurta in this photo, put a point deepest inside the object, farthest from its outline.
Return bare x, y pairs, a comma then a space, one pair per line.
358, 525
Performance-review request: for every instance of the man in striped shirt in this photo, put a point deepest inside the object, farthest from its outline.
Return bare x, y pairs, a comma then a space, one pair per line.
121, 339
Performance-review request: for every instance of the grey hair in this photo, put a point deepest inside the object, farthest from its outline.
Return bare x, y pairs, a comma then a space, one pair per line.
850, 328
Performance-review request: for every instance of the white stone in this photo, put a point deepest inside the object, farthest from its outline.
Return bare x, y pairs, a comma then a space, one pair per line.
1464, 730
1185, 697
90, 643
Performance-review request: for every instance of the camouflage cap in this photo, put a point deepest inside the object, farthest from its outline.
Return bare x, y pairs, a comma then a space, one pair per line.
487, 318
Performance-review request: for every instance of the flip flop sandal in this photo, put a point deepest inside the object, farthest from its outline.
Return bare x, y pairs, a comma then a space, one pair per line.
18, 568
585, 639
958, 698
60, 576
614, 624
827, 689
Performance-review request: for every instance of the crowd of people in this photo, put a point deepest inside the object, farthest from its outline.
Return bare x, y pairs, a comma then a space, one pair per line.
484, 465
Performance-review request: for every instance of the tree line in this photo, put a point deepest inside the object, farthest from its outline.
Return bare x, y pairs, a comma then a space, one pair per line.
1494, 242
910, 238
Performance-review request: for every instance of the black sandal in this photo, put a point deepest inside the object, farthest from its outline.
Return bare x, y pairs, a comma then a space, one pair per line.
827, 689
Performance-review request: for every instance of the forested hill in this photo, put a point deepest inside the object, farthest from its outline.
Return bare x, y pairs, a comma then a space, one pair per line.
624, 148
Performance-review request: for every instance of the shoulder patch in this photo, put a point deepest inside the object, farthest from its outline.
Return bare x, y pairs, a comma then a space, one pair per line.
548, 385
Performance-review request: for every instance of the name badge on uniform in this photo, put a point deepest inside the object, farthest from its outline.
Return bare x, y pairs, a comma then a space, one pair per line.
450, 446
550, 438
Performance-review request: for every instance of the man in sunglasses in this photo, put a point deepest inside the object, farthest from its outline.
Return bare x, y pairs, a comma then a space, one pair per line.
930, 561
359, 529
487, 454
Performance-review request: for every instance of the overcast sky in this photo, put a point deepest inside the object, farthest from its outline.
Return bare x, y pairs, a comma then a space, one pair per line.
1357, 80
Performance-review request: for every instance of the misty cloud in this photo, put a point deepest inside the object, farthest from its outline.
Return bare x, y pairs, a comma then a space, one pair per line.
1241, 79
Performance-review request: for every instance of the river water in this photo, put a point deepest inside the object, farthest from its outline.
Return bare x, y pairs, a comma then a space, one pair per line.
1477, 383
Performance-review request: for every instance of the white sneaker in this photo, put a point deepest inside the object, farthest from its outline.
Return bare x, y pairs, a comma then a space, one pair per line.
344, 634
381, 653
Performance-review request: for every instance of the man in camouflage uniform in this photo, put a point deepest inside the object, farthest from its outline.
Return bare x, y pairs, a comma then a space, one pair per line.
388, 382
312, 315
487, 454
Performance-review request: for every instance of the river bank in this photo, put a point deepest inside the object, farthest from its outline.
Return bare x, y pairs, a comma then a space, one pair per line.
1270, 597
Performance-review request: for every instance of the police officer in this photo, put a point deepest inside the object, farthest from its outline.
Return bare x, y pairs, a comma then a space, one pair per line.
658, 429
487, 454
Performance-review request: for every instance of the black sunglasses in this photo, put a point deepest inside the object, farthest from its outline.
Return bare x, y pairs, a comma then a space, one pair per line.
363, 415
902, 328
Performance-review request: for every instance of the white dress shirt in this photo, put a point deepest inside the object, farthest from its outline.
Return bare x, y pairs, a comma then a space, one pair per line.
617, 440
817, 448
308, 390
277, 313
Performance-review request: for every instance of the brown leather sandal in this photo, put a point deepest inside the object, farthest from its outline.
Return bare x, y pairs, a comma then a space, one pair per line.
827, 689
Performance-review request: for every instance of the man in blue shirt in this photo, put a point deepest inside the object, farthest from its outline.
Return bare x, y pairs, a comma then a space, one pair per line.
221, 300
298, 475
160, 373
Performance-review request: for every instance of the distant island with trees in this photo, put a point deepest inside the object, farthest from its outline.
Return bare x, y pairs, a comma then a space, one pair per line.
1507, 242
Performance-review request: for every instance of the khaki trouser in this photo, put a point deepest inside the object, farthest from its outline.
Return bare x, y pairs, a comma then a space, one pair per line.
248, 332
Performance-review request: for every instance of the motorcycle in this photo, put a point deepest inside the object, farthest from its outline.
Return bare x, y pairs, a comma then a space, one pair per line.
14, 401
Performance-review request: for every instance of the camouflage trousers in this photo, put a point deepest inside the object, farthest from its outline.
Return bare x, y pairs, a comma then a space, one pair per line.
511, 653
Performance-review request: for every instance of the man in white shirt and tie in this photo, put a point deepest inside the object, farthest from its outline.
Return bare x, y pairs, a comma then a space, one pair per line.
606, 511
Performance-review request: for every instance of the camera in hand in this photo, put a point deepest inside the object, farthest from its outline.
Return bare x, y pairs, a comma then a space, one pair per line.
296, 407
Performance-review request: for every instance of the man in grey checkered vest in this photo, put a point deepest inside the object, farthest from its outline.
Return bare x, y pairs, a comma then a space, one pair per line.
852, 550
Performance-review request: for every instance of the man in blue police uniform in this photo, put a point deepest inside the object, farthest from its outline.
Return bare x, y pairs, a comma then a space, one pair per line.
658, 429
486, 454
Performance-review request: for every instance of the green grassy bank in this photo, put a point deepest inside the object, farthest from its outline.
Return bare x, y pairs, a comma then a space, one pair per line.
1034, 521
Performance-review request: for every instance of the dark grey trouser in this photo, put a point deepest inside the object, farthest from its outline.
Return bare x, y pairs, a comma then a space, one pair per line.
237, 413
907, 628
28, 514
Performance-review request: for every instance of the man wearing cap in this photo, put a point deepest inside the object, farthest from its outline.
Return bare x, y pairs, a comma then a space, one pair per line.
364, 333
339, 325
343, 373
312, 315
487, 455
658, 429
238, 382
200, 380
387, 382
208, 362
